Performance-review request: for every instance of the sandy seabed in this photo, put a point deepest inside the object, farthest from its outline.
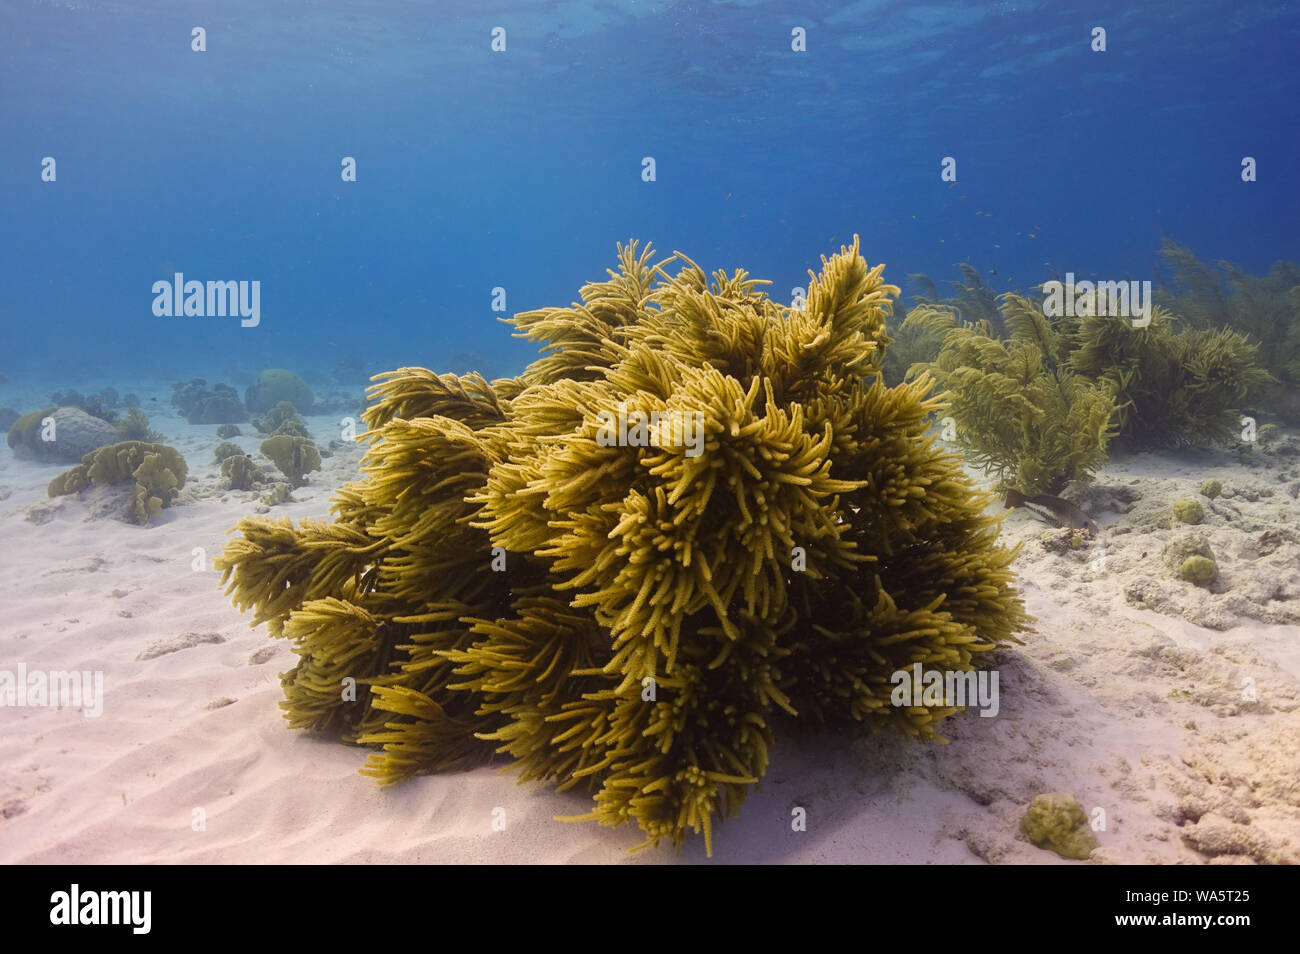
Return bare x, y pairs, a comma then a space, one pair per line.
1174, 709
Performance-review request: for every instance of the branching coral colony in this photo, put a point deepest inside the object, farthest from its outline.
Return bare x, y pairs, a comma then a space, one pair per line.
628, 615
1039, 405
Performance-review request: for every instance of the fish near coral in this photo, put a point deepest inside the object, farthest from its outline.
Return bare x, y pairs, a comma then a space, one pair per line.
1053, 509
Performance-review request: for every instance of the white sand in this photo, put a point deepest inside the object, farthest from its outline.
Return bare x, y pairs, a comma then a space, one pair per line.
1137, 712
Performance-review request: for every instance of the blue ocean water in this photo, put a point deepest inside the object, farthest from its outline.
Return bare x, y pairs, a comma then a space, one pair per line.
520, 168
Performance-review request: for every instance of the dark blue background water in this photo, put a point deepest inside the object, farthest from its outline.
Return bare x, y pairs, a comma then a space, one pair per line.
522, 169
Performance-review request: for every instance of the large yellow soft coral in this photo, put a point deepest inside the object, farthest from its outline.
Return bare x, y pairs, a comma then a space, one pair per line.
700, 509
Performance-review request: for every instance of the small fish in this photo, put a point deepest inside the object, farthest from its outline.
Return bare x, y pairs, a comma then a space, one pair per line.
1052, 509
993, 271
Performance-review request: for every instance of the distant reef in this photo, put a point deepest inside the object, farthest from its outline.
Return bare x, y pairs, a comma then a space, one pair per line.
200, 404
275, 385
